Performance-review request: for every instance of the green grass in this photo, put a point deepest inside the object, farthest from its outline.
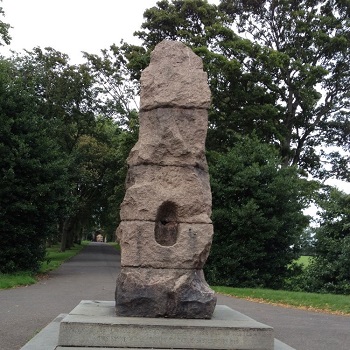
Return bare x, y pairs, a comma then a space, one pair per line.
54, 259
115, 245
14, 280
339, 304
304, 260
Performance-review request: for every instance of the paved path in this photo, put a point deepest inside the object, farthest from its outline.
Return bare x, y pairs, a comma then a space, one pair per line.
91, 275
26, 310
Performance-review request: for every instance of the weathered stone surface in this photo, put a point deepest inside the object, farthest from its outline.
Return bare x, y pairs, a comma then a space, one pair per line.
174, 293
171, 136
174, 78
165, 230
148, 187
140, 249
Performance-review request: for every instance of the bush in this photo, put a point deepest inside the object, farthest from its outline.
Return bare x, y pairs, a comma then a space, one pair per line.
257, 216
329, 270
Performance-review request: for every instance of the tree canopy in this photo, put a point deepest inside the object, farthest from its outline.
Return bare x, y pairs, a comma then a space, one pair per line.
288, 80
304, 63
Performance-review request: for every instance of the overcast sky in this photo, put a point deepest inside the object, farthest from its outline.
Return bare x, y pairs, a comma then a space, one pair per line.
72, 26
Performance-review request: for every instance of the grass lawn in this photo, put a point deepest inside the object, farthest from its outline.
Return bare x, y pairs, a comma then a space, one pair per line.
53, 260
305, 260
337, 304
115, 245
14, 280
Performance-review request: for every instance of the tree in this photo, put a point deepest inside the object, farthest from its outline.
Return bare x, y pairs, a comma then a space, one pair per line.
239, 104
257, 216
85, 121
5, 38
32, 175
117, 144
304, 64
66, 98
117, 88
307, 241
329, 271
288, 82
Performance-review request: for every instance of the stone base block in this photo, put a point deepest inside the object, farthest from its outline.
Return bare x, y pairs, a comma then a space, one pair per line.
93, 324
172, 293
98, 319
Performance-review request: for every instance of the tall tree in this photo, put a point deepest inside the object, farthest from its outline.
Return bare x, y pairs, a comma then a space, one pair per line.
117, 143
86, 113
304, 63
66, 99
288, 81
117, 88
32, 175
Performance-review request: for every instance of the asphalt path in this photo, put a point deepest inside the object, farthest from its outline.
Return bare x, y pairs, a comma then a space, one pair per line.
91, 275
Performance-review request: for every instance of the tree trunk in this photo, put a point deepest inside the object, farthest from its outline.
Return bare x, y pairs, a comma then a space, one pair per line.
65, 232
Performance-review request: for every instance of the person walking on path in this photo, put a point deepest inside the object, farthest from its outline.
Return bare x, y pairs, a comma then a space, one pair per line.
91, 275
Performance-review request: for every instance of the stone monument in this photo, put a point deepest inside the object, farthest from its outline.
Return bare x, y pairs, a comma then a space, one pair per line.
165, 231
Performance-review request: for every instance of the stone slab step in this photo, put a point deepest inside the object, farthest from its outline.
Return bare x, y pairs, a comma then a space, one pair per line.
47, 339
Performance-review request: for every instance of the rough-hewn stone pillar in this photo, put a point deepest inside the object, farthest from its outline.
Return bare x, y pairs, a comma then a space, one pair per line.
166, 231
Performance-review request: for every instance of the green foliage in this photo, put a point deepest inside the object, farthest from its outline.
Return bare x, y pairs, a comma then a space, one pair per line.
303, 64
5, 38
307, 242
53, 259
75, 100
290, 83
239, 102
257, 216
115, 84
339, 304
31, 175
191, 21
117, 144
329, 271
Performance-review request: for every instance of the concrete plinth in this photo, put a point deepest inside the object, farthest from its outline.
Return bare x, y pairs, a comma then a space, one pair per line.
93, 325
